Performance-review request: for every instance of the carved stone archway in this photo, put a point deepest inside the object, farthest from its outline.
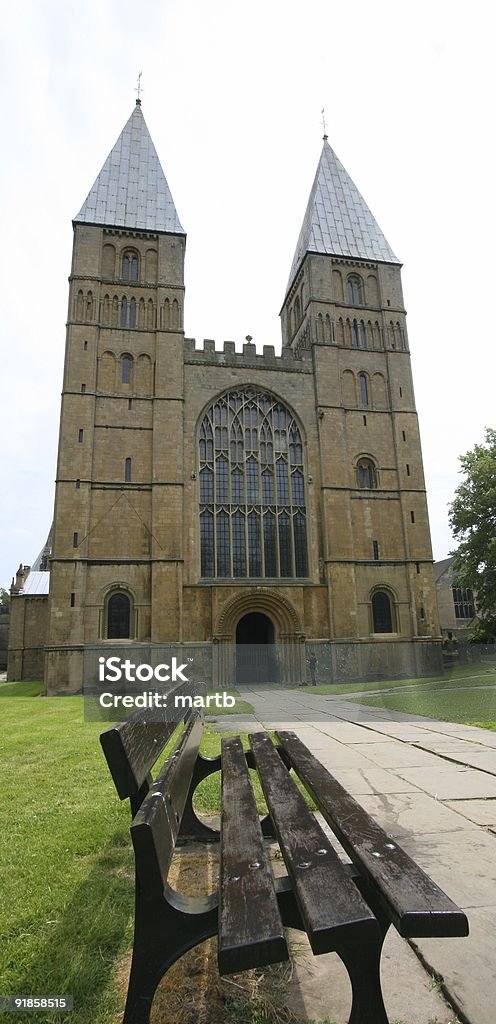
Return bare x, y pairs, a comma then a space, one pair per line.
289, 635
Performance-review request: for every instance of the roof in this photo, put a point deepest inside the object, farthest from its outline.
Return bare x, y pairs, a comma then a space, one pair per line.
36, 585
441, 567
338, 221
131, 190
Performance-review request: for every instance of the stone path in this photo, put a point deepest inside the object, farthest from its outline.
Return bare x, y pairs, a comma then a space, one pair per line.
432, 785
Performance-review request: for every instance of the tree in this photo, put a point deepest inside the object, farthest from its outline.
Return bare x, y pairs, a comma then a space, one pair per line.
473, 521
4, 599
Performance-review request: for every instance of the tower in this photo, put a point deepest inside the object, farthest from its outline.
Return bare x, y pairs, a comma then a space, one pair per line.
344, 302
115, 553
236, 498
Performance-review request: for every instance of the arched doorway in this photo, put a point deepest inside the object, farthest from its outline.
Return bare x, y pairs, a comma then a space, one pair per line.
255, 652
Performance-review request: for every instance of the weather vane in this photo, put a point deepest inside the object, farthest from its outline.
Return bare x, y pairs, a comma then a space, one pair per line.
138, 88
324, 124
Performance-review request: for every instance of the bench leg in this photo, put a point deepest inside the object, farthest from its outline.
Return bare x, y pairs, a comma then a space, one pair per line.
362, 961
191, 826
162, 933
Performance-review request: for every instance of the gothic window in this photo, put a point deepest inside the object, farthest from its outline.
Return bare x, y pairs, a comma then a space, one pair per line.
366, 475
118, 617
364, 391
355, 290
252, 489
129, 266
463, 600
382, 612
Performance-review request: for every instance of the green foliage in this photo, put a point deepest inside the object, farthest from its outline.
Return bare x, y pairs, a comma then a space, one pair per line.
473, 521
4, 598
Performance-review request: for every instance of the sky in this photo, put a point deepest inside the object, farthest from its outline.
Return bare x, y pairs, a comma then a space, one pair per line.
232, 95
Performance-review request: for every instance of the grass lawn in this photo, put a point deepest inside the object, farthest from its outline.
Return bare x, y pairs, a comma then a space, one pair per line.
66, 865
451, 675
458, 698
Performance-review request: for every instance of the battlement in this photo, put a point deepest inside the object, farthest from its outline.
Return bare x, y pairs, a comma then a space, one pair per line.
227, 356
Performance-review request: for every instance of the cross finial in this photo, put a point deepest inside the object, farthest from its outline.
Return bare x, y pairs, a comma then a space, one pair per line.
324, 125
138, 89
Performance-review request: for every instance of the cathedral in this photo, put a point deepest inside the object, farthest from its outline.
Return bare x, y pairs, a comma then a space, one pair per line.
233, 498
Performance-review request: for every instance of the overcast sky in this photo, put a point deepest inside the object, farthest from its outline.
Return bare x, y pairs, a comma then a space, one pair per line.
233, 94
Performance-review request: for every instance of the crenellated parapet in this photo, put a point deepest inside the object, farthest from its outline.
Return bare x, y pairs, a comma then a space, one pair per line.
287, 360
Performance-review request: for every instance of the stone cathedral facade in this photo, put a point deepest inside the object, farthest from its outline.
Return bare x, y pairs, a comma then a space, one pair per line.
236, 497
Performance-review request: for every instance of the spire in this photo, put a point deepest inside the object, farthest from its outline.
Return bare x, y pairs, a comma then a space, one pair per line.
131, 190
338, 221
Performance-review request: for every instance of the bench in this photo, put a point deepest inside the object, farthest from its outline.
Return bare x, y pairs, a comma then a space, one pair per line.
343, 907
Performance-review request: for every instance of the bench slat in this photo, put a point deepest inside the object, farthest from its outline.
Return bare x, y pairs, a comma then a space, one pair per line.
330, 905
132, 748
251, 932
156, 825
413, 901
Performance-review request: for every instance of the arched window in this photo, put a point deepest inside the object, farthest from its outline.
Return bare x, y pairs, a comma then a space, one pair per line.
124, 312
129, 266
355, 290
127, 470
355, 337
366, 475
252, 489
118, 617
132, 313
382, 613
364, 391
126, 369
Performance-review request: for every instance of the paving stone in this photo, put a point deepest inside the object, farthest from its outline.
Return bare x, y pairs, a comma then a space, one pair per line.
463, 864
483, 812
467, 965
450, 782
368, 780
320, 989
394, 754
404, 814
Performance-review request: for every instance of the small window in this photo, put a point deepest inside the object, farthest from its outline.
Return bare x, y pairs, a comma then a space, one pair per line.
127, 471
129, 267
412, 516
404, 435
376, 550
118, 617
366, 475
418, 567
408, 469
81, 435
73, 600
354, 290
132, 313
130, 403
382, 615
365, 421
85, 345
123, 320
401, 392
354, 335
127, 363
75, 540
78, 485
364, 391
83, 389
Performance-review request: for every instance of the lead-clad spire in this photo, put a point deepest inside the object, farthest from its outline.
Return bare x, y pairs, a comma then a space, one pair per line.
131, 190
338, 221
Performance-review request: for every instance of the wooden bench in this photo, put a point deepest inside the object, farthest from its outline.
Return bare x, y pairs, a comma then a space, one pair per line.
343, 907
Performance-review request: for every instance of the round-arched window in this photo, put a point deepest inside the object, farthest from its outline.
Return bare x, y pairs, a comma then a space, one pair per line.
252, 488
382, 612
118, 617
